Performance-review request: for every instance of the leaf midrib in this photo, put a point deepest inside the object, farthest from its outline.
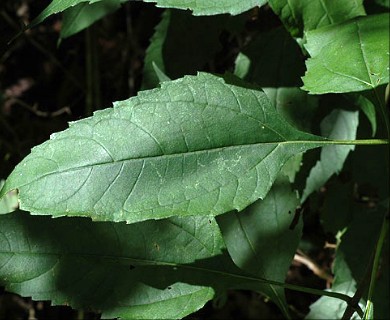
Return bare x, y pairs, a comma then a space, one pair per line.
173, 155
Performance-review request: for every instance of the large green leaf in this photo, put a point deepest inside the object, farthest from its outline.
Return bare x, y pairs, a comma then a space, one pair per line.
339, 124
151, 270
260, 239
351, 56
304, 15
84, 14
197, 145
207, 7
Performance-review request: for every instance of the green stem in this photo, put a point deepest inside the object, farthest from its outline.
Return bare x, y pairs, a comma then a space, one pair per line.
92, 72
378, 251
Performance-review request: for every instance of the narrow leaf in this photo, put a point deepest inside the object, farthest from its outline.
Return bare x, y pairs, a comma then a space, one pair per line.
197, 145
260, 240
57, 6
81, 16
305, 15
364, 40
340, 125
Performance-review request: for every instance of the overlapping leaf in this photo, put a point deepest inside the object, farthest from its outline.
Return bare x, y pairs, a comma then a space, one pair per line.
210, 7
340, 125
197, 145
84, 14
351, 56
262, 240
171, 51
162, 269
305, 15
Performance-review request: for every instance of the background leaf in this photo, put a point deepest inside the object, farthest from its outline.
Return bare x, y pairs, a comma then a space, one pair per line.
274, 61
100, 266
364, 40
207, 7
83, 15
174, 54
259, 239
196, 145
305, 15
151, 270
339, 125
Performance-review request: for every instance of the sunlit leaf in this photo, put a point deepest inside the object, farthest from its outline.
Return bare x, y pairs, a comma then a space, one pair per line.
207, 7
197, 145
351, 56
304, 15
342, 125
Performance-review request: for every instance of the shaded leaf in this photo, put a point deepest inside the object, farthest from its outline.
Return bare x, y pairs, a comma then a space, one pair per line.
151, 270
330, 308
171, 51
364, 40
81, 16
99, 266
274, 61
340, 124
57, 6
304, 15
259, 239
207, 7
197, 145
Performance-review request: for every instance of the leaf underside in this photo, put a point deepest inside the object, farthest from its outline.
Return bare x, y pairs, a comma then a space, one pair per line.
196, 146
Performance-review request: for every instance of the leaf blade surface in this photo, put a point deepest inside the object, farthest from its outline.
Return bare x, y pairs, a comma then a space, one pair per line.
197, 145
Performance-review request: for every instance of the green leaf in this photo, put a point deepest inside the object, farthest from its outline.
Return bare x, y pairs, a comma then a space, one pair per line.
207, 7
83, 15
274, 61
57, 6
364, 41
9, 202
259, 239
162, 269
330, 308
304, 15
197, 145
339, 125
366, 106
174, 54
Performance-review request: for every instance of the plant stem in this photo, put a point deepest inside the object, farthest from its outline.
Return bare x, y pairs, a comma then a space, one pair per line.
378, 251
92, 72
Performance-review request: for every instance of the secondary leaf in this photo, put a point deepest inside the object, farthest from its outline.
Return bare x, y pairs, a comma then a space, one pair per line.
57, 6
162, 269
259, 239
197, 145
304, 15
364, 40
207, 7
330, 308
171, 51
274, 61
339, 125
84, 14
